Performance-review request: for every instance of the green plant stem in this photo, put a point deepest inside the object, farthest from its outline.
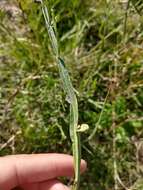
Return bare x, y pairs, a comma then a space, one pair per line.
69, 90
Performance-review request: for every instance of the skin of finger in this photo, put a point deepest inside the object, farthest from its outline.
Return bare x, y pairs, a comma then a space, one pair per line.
47, 185
22, 169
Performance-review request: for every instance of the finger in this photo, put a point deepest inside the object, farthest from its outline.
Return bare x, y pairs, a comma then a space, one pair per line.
20, 169
48, 185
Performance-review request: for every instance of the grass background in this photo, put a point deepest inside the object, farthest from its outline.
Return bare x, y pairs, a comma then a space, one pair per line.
103, 52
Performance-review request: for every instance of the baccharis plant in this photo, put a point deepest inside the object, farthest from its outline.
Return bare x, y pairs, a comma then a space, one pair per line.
75, 129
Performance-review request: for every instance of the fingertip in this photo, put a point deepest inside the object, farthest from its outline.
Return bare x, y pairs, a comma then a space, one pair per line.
83, 166
53, 185
59, 186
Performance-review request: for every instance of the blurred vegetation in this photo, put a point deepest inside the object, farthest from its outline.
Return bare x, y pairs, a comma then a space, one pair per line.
101, 42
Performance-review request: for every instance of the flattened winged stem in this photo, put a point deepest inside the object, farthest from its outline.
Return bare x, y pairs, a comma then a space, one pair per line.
50, 30
69, 90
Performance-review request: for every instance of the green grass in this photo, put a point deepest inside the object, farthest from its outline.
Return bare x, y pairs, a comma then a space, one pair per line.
34, 116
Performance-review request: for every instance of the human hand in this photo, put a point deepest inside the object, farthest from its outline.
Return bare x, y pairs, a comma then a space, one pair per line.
36, 172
